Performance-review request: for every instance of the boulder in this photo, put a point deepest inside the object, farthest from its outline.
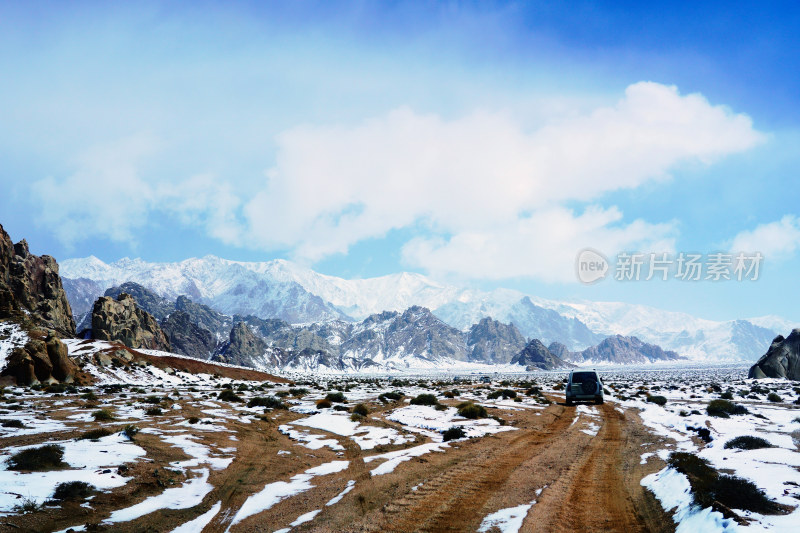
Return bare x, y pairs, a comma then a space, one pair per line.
122, 321
782, 359
44, 359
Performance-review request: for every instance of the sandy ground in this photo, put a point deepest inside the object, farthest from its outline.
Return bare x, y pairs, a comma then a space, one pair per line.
579, 481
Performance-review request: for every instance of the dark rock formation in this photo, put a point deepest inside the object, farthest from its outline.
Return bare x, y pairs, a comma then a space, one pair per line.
187, 337
245, 348
205, 317
536, 356
559, 350
122, 321
619, 349
31, 283
490, 341
43, 359
782, 360
145, 299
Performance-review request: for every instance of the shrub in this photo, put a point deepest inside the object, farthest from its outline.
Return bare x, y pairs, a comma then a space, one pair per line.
658, 400
355, 417
727, 395
270, 402
471, 410
505, 393
298, 392
324, 404
73, 490
708, 486
12, 424
155, 400
103, 415
453, 433
748, 442
342, 408
424, 399
387, 397
94, 434
361, 409
154, 411
194, 420
47, 457
498, 420
91, 396
724, 408
130, 431
774, 398
228, 395
440, 407
336, 397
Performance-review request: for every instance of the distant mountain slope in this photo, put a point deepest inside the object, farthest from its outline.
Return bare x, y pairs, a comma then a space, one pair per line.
618, 349
283, 290
227, 286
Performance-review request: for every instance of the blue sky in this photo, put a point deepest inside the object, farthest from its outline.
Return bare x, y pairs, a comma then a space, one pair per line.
481, 143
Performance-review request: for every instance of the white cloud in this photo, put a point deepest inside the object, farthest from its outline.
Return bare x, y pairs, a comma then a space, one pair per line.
541, 246
488, 188
105, 196
483, 176
774, 240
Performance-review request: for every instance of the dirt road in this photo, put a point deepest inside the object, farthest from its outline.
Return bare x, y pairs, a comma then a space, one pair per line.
576, 468
587, 482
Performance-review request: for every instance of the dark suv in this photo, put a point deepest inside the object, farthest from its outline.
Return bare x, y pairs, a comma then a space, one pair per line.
584, 386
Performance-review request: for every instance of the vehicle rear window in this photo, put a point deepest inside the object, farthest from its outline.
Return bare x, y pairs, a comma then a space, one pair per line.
584, 376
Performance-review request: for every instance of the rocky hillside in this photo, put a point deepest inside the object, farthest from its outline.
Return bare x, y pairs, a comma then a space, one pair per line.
121, 320
622, 351
782, 360
30, 286
491, 341
536, 356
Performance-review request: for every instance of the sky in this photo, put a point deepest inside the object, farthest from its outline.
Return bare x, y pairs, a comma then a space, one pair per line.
482, 143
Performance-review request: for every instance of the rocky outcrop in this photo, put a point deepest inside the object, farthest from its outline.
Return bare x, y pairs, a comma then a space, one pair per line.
245, 348
187, 337
490, 341
146, 299
619, 349
536, 356
30, 286
205, 317
782, 360
122, 321
43, 359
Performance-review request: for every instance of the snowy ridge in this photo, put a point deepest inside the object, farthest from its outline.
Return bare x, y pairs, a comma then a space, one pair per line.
296, 294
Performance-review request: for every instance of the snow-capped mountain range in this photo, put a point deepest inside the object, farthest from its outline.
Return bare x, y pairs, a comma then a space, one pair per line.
285, 290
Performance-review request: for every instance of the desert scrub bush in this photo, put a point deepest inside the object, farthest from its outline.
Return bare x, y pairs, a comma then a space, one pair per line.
774, 398
394, 396
12, 424
28, 505
709, 486
440, 407
453, 433
336, 397
724, 409
505, 393
130, 431
73, 490
91, 396
154, 411
194, 419
471, 410
155, 400
324, 404
424, 399
228, 395
361, 409
103, 415
298, 391
94, 434
748, 442
269, 402
498, 420
342, 408
658, 400
727, 395
47, 457
355, 417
